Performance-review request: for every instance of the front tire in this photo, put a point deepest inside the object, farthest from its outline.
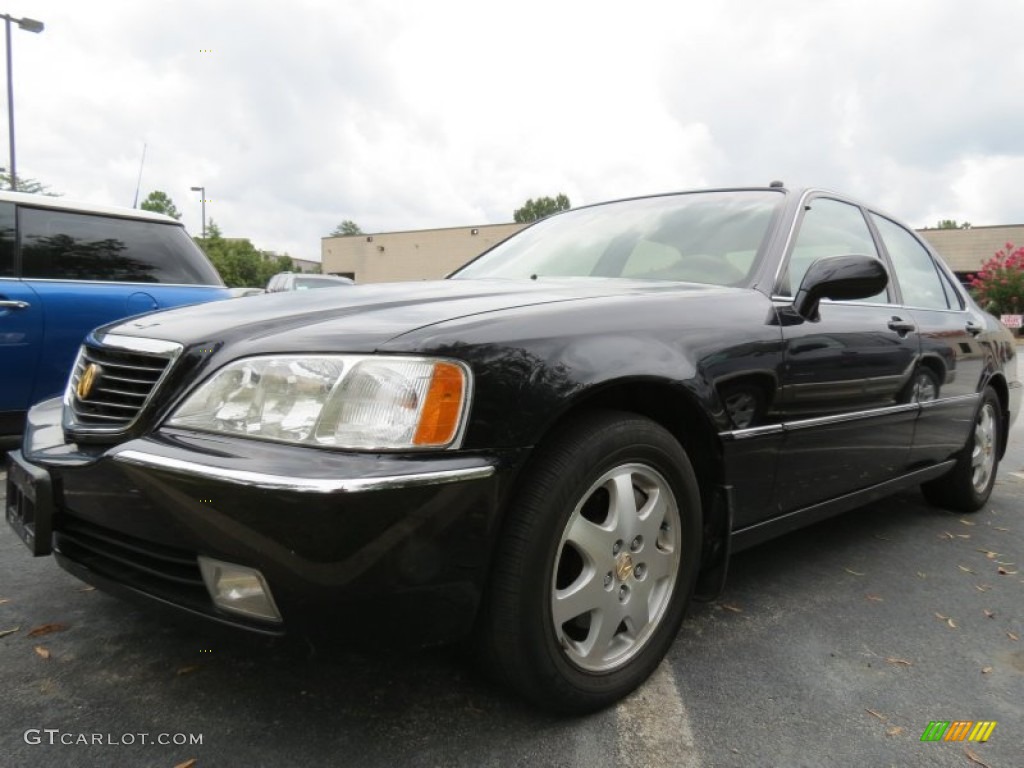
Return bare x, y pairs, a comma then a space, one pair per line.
967, 487
597, 564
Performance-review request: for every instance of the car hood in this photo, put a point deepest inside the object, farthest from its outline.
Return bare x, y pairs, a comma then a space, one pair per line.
361, 318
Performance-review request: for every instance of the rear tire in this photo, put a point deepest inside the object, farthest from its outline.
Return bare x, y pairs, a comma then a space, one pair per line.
967, 487
597, 564
924, 387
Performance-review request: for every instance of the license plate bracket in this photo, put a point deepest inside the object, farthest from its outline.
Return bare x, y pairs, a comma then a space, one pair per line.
29, 505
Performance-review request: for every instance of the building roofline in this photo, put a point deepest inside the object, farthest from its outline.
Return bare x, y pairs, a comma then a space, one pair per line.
424, 229
968, 229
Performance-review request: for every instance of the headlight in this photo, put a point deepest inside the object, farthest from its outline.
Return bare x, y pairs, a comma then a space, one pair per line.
338, 401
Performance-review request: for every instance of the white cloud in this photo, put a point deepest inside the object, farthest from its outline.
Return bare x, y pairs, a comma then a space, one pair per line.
404, 115
987, 189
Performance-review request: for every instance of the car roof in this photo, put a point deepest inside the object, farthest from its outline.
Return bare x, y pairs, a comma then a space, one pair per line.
79, 206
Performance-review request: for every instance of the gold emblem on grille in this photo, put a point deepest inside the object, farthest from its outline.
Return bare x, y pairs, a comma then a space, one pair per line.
87, 380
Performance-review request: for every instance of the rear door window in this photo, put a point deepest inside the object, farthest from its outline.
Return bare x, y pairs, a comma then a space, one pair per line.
919, 278
59, 245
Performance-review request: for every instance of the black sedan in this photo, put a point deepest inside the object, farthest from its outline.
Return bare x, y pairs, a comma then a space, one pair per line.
551, 452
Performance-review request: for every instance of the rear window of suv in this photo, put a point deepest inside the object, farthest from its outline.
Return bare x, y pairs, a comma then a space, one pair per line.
57, 245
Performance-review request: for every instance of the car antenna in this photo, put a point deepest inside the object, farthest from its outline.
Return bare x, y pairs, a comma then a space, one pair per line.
135, 202
776, 185
533, 277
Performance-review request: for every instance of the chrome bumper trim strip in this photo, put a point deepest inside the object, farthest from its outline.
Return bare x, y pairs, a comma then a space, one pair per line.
302, 484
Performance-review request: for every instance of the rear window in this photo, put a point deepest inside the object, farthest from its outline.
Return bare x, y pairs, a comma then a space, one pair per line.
919, 278
58, 245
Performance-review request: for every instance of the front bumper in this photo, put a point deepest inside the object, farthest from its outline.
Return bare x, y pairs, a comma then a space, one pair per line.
377, 547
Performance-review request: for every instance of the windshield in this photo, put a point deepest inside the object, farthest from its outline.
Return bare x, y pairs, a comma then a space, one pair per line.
700, 237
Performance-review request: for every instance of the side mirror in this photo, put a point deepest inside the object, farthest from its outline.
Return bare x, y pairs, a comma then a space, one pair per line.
838, 278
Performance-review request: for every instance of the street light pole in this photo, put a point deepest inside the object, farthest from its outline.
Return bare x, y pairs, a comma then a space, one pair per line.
30, 25
10, 107
202, 191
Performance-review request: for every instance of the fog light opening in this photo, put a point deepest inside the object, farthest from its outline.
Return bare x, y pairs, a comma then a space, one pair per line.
238, 589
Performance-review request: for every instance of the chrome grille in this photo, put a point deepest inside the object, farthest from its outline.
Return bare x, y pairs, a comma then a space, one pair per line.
113, 380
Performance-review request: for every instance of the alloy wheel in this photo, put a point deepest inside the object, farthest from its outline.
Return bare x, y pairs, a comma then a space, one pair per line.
983, 455
616, 568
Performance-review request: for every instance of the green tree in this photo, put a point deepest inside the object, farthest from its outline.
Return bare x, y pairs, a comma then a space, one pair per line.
533, 210
346, 228
953, 224
160, 202
30, 186
238, 261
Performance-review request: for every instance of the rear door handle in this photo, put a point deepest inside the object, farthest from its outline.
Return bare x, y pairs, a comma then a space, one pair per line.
13, 304
974, 328
901, 326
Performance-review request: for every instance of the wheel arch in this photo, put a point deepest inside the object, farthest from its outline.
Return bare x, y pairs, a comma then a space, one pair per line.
679, 411
671, 406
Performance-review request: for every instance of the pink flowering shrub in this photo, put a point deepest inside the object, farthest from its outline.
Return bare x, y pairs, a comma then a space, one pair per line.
999, 285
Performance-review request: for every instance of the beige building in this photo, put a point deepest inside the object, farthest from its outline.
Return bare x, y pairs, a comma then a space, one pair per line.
423, 254
965, 250
428, 254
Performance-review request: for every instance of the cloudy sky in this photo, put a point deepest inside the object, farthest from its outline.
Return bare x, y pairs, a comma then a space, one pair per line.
401, 114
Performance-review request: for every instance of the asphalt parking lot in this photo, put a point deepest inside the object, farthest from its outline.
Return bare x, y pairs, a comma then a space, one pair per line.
836, 645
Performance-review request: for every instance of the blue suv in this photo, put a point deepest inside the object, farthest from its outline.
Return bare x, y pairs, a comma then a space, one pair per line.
66, 268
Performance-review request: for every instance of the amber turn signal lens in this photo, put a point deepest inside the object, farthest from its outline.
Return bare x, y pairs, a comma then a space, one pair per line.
439, 419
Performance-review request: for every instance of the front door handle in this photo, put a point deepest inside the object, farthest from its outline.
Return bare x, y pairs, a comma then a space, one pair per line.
974, 327
13, 304
901, 326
